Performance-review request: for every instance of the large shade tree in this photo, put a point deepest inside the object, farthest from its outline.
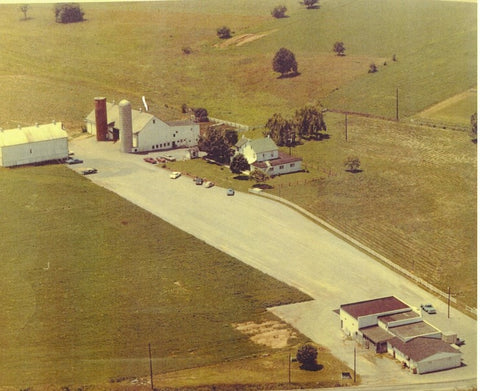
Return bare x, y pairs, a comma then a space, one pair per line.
309, 122
215, 144
280, 130
285, 63
239, 164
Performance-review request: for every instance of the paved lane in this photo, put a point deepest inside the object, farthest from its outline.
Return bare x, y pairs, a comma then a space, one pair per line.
284, 244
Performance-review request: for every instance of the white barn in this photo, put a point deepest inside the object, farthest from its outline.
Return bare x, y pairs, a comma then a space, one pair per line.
148, 132
33, 144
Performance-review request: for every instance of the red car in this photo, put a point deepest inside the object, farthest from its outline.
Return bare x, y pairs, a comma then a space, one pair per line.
150, 160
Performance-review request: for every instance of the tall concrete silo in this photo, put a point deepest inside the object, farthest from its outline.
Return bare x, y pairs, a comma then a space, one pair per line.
101, 118
125, 125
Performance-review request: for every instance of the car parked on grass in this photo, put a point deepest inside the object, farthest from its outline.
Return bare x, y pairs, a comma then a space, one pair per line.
89, 171
150, 160
230, 192
73, 160
428, 308
175, 175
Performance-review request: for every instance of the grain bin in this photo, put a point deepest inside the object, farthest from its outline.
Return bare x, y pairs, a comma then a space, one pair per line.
125, 125
101, 118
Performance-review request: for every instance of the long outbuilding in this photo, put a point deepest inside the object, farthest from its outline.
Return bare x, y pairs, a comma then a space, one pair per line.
33, 144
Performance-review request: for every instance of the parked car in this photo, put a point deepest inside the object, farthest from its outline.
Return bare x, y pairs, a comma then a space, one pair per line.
161, 160
428, 308
175, 174
198, 180
150, 160
208, 184
89, 171
73, 160
230, 192
459, 342
170, 158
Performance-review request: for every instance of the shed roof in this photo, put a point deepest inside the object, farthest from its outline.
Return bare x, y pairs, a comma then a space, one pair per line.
421, 348
412, 330
32, 134
376, 334
375, 306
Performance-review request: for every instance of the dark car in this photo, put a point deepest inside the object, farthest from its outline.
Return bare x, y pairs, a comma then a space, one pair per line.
198, 181
73, 160
89, 171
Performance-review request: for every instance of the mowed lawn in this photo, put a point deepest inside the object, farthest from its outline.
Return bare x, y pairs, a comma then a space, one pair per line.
134, 49
89, 280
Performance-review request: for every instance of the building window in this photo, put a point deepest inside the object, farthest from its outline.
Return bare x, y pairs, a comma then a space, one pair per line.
154, 120
281, 167
292, 164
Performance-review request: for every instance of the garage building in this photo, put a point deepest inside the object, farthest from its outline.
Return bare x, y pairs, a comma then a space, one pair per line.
33, 144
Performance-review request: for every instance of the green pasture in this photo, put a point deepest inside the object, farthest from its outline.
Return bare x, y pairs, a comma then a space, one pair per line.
89, 280
126, 50
414, 200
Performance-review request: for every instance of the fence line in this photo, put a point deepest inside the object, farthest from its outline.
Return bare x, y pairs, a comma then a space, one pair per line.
234, 124
367, 250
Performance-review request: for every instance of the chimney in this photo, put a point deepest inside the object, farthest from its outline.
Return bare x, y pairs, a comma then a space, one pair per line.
101, 118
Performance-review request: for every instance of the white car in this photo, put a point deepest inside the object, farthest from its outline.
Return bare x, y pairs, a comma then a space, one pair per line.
175, 175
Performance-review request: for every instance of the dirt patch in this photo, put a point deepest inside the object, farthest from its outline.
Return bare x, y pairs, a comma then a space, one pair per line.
272, 333
448, 102
242, 39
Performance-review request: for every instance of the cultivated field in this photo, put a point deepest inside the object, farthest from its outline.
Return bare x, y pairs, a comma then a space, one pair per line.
91, 315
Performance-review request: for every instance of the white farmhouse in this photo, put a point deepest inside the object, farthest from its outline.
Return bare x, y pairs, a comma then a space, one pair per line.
147, 132
33, 144
264, 155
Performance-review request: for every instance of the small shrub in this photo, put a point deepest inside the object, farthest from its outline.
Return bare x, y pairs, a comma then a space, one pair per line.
223, 32
187, 50
373, 68
279, 11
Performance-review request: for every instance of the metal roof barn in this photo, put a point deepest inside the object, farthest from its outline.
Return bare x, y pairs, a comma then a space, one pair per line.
33, 144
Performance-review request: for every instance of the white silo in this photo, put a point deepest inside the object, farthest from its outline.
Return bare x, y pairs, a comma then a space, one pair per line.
125, 125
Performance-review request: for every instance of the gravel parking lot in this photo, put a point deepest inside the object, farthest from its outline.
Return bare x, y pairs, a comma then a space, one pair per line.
286, 245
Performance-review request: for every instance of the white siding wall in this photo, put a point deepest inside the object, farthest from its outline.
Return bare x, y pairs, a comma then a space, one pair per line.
285, 168
439, 362
15, 155
348, 323
157, 135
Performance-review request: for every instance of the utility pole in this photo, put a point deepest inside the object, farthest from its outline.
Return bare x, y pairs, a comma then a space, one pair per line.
289, 367
151, 368
448, 303
354, 364
346, 127
397, 106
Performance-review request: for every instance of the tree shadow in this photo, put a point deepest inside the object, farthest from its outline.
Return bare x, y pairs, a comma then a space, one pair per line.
289, 75
354, 171
26, 19
242, 177
311, 367
474, 141
262, 186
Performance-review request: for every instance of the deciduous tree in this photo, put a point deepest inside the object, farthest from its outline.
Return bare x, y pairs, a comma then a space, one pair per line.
309, 122
68, 13
339, 48
310, 3
24, 8
224, 32
279, 11
239, 164
280, 130
216, 145
352, 163
307, 356
259, 176
284, 62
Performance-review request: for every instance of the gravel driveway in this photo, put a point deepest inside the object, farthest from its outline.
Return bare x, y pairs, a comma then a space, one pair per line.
284, 244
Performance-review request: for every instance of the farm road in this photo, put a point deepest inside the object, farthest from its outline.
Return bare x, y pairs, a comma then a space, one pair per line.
286, 245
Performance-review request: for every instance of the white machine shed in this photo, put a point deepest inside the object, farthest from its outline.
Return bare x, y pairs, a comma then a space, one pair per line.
33, 144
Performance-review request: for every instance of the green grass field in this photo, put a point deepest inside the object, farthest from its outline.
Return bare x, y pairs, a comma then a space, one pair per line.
118, 279
134, 49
